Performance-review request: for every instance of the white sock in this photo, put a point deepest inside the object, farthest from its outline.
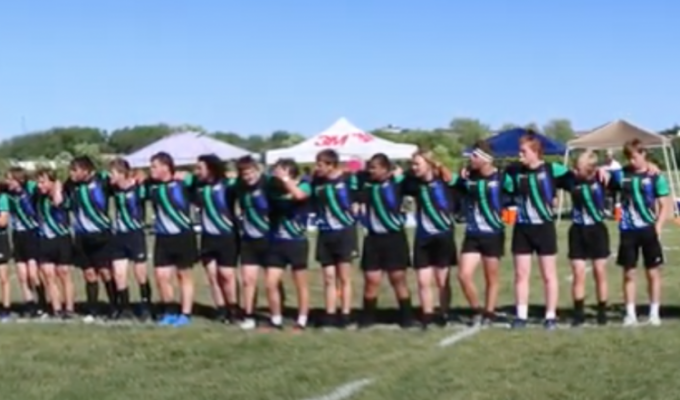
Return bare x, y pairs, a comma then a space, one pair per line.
522, 311
550, 315
277, 319
654, 309
630, 310
302, 320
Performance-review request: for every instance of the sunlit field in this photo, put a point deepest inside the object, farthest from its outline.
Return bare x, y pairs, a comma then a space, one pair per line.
208, 360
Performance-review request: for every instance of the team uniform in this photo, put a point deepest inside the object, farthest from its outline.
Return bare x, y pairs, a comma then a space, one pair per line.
89, 203
129, 240
289, 244
5, 248
253, 200
588, 234
54, 245
24, 221
434, 243
534, 191
332, 200
639, 192
219, 235
484, 231
175, 237
385, 247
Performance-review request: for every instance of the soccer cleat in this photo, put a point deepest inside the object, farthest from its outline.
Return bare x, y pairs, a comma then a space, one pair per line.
248, 324
181, 320
88, 319
654, 320
518, 323
550, 324
630, 320
5, 317
167, 320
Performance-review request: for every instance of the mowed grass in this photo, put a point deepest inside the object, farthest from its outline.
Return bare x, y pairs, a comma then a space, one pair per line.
209, 361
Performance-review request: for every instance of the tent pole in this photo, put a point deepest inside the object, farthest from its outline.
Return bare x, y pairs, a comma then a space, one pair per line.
672, 168
673, 194
560, 202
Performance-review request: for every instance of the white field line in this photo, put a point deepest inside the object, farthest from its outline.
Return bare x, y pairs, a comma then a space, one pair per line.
345, 391
458, 336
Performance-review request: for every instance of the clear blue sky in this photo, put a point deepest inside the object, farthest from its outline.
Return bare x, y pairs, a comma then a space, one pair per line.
253, 66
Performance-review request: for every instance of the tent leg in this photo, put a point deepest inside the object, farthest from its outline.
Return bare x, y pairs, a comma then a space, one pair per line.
560, 202
673, 176
675, 172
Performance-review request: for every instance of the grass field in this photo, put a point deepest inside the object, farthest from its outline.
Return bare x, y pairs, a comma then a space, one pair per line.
211, 361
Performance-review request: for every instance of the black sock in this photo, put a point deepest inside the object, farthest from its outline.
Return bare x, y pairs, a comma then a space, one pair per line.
161, 308
145, 292
370, 305
92, 297
42, 299
123, 298
405, 309
579, 308
111, 293
602, 307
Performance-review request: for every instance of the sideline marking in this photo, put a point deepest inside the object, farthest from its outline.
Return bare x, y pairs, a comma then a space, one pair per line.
345, 391
457, 337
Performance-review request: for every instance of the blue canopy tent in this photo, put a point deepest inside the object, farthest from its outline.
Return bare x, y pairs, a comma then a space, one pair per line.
506, 144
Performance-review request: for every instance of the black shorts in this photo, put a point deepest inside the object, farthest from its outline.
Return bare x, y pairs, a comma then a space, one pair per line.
93, 250
534, 239
222, 249
490, 245
129, 246
25, 246
385, 252
255, 252
57, 250
588, 242
5, 248
178, 250
335, 247
640, 240
293, 253
434, 251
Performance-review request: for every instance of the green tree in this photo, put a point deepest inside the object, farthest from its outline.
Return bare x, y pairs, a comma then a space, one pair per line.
559, 129
469, 130
127, 140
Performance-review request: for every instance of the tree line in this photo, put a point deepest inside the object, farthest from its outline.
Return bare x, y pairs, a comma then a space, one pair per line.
61, 143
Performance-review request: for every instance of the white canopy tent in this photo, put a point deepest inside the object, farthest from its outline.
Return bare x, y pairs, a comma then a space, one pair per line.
185, 149
614, 135
349, 141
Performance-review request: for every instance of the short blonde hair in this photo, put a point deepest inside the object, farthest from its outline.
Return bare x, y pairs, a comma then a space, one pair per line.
587, 160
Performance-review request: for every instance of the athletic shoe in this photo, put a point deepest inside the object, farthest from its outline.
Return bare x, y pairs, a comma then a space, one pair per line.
88, 319
601, 318
654, 320
167, 320
518, 323
5, 317
248, 324
181, 320
550, 324
630, 320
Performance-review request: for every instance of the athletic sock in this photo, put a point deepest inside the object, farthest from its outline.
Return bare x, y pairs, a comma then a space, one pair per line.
405, 309
42, 299
91, 297
111, 292
368, 311
579, 306
302, 320
522, 311
654, 309
550, 315
145, 292
123, 298
630, 310
277, 320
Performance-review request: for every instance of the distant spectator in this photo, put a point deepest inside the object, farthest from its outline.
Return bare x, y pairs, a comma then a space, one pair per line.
612, 166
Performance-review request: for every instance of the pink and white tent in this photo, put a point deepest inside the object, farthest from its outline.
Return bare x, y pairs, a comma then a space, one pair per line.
349, 141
